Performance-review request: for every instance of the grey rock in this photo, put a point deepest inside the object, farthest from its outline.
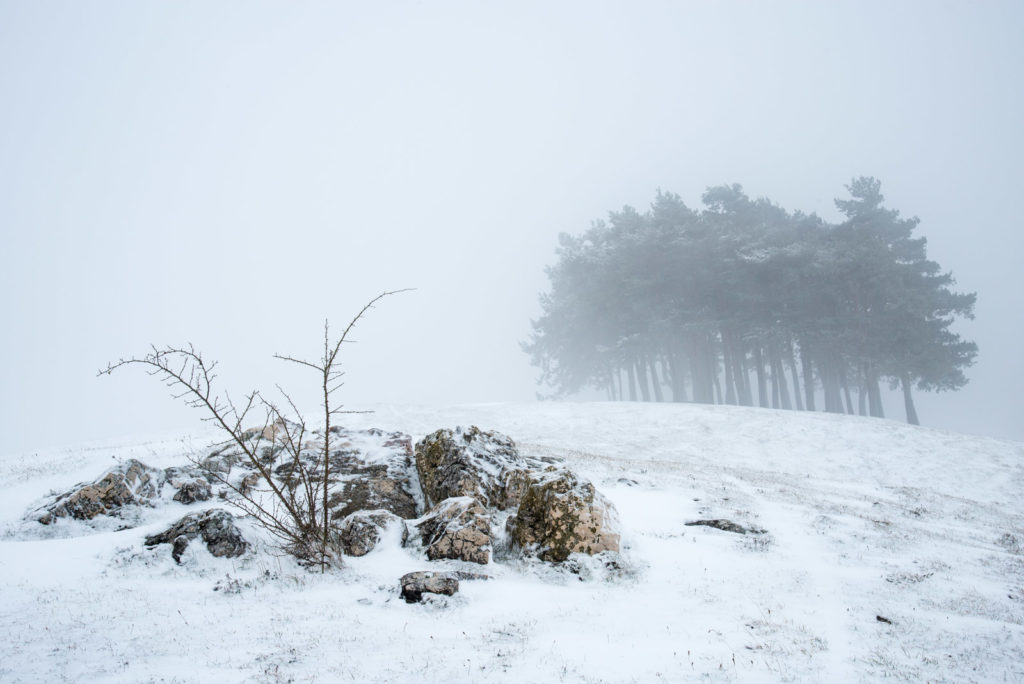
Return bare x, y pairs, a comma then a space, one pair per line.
360, 532
415, 584
373, 470
192, 491
472, 462
216, 527
725, 526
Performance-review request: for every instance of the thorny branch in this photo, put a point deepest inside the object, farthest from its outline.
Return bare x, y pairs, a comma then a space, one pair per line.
298, 513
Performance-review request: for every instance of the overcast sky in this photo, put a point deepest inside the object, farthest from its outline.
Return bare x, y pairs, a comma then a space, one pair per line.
230, 174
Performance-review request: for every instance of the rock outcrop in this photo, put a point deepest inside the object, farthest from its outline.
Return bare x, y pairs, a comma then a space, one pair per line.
216, 527
129, 483
450, 495
561, 514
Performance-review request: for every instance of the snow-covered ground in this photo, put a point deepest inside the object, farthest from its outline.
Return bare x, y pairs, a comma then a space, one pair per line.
866, 518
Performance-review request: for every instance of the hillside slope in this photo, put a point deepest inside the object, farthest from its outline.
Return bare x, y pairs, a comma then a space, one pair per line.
865, 519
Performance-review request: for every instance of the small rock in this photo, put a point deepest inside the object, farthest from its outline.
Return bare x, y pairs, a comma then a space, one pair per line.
469, 576
192, 491
726, 526
415, 584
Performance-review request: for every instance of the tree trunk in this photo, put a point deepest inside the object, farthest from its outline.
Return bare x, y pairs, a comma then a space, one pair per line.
678, 381
796, 379
730, 378
743, 375
632, 382
908, 402
641, 374
700, 373
655, 380
874, 394
762, 387
862, 392
805, 362
773, 373
846, 390
828, 369
779, 372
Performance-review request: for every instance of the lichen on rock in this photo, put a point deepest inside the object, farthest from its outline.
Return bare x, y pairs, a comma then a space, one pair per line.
561, 514
485, 465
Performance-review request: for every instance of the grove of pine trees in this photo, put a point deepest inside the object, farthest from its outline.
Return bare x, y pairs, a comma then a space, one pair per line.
745, 303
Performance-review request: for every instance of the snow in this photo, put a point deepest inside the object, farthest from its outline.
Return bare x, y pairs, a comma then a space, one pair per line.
864, 518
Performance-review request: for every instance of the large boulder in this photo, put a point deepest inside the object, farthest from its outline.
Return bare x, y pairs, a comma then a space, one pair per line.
472, 462
415, 584
561, 514
216, 527
129, 483
458, 528
360, 532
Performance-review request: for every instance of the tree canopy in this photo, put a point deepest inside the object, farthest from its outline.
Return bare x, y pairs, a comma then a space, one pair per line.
746, 303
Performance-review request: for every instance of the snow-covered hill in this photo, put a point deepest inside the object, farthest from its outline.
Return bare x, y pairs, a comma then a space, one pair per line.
891, 551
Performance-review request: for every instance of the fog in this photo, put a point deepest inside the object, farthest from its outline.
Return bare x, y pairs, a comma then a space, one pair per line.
231, 174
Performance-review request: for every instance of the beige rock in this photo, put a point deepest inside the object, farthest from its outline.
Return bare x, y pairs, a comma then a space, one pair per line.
472, 462
458, 528
561, 514
131, 482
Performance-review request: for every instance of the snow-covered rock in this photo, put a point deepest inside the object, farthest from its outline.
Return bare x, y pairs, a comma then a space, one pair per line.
373, 470
415, 584
129, 483
561, 514
191, 491
458, 528
358, 533
216, 527
485, 465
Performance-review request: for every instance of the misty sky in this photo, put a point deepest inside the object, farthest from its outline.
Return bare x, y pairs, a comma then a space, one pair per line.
230, 174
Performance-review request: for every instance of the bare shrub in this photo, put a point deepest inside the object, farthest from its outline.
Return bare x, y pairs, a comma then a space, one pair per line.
294, 506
